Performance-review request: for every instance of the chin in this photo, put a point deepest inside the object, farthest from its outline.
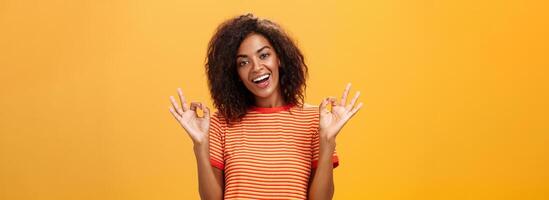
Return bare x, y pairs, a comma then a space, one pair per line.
264, 94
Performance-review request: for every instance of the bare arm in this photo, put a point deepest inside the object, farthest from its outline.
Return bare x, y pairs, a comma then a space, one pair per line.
322, 181
210, 179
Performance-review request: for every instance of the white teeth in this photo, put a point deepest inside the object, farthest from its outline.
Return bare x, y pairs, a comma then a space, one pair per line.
261, 78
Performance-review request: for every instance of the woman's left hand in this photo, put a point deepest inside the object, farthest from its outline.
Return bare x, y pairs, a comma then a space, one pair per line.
331, 121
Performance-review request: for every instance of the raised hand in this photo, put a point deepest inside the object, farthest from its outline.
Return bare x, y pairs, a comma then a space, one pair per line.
331, 121
197, 127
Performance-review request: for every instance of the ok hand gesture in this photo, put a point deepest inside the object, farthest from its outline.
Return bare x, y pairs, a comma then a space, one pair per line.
197, 127
331, 121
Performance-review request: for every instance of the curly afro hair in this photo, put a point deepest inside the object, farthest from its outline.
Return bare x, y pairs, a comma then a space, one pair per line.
230, 96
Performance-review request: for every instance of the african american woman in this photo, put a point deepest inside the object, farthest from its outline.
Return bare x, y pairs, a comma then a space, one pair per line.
263, 142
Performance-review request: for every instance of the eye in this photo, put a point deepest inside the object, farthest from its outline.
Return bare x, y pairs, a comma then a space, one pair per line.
242, 63
264, 55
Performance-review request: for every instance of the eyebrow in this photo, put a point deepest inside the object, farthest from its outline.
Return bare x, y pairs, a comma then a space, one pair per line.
245, 56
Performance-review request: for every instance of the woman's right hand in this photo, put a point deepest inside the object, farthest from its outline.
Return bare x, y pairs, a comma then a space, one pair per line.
197, 127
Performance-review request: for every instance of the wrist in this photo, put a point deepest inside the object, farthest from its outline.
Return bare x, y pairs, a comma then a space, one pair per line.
201, 147
326, 137
327, 145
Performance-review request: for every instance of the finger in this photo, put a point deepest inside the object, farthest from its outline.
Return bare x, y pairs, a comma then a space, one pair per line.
182, 99
333, 101
174, 113
194, 105
206, 112
345, 94
174, 104
353, 101
355, 110
323, 105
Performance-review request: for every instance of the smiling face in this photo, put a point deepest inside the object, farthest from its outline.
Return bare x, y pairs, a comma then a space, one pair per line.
257, 65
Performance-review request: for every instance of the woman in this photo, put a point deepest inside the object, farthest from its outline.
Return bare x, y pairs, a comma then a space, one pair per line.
263, 142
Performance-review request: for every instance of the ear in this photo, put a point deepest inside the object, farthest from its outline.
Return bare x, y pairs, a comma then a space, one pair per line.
279, 63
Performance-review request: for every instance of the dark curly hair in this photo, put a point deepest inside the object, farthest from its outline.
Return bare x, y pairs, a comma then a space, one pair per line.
230, 96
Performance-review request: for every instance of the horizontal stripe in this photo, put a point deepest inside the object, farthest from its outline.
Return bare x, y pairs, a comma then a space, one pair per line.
253, 194
285, 174
285, 178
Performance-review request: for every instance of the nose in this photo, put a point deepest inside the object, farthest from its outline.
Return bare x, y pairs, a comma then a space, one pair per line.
257, 65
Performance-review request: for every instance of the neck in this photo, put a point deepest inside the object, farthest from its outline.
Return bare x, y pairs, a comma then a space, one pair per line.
274, 100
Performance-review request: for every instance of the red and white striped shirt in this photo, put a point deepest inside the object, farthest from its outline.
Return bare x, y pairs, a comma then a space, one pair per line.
269, 154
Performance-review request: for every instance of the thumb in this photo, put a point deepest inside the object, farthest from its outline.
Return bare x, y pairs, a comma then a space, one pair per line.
323, 105
206, 111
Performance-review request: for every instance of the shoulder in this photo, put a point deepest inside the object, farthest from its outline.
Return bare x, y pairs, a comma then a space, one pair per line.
311, 115
218, 118
306, 110
309, 106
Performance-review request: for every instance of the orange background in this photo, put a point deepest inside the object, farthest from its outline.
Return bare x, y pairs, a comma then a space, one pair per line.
455, 92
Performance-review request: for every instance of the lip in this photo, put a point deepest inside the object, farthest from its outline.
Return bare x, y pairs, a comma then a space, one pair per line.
264, 84
252, 80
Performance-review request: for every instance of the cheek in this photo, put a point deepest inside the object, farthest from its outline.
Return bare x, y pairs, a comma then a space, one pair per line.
242, 75
273, 63
275, 66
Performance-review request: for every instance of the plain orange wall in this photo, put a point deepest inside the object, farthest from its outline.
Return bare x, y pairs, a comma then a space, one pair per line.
455, 92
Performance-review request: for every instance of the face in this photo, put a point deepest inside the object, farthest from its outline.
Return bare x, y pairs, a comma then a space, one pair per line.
257, 65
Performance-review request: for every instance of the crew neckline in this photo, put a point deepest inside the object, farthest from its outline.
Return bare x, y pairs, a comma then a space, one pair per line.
271, 109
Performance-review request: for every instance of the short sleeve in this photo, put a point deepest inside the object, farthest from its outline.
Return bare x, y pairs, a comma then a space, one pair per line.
316, 150
216, 141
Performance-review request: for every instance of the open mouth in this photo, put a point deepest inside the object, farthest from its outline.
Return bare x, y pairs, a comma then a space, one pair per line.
261, 81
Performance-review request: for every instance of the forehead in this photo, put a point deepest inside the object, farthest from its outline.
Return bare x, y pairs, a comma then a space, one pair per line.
252, 43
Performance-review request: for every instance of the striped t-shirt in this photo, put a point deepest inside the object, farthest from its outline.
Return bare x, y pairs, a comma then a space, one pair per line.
269, 154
